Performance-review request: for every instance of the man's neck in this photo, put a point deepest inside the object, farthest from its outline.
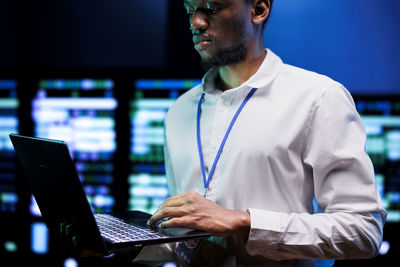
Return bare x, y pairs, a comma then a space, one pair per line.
232, 76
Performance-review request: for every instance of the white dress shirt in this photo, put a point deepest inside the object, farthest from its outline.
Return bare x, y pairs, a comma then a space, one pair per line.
297, 138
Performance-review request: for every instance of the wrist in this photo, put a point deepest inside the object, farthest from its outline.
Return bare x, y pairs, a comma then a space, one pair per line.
242, 224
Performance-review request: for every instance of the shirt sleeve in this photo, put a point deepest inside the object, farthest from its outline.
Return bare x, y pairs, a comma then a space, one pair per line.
352, 220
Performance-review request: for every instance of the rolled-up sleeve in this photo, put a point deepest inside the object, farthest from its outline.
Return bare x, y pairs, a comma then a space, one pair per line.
352, 220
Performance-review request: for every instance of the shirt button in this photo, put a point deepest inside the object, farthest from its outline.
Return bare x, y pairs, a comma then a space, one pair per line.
214, 144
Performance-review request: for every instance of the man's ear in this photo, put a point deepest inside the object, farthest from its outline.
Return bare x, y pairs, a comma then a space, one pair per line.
260, 11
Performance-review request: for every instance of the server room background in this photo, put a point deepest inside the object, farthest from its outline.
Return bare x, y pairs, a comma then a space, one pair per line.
101, 75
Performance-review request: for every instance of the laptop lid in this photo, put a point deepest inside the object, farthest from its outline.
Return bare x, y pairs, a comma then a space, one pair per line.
55, 184
59, 194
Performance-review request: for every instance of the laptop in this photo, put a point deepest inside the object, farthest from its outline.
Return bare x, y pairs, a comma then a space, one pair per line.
56, 186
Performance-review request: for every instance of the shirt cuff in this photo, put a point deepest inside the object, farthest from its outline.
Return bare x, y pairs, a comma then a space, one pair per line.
265, 233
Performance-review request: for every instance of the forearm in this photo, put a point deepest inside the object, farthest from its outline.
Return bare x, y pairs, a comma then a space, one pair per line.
336, 235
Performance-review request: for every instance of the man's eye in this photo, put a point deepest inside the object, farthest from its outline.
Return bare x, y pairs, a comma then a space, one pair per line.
209, 11
190, 11
213, 10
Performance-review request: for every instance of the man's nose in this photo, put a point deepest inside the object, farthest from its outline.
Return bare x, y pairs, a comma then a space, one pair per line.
198, 22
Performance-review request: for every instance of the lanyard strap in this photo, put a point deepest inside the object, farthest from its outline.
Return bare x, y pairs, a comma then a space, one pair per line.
221, 147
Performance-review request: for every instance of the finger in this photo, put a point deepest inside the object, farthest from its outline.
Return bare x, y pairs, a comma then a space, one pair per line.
177, 202
176, 222
185, 221
184, 197
166, 212
175, 206
170, 223
174, 201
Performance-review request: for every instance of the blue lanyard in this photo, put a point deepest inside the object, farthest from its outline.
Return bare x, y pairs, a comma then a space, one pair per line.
221, 147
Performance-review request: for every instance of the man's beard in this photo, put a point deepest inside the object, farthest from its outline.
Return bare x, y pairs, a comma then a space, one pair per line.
226, 56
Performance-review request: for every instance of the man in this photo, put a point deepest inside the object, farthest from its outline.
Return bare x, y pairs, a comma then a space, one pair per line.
249, 149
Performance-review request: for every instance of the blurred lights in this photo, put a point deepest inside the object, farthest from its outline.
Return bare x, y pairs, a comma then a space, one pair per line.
385, 247
39, 238
34, 208
10, 246
70, 262
81, 113
9, 123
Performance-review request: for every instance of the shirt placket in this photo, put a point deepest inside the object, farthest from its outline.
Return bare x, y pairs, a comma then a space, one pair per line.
219, 127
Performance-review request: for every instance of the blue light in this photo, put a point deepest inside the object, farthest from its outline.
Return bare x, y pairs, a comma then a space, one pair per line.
373, 129
87, 84
60, 84
149, 191
34, 208
324, 263
8, 84
394, 197
385, 106
39, 238
393, 155
173, 94
70, 262
10, 198
385, 247
103, 201
166, 84
109, 84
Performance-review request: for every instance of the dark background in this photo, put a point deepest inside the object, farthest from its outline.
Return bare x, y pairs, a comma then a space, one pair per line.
353, 41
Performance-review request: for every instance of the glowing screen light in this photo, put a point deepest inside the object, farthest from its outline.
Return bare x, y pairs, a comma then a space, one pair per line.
149, 106
10, 246
8, 124
39, 238
34, 208
381, 118
82, 113
70, 262
385, 247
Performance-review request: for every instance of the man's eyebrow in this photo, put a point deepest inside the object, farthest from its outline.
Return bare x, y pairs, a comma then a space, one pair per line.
214, 3
209, 2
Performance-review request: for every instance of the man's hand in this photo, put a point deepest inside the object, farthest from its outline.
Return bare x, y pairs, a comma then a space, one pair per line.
79, 248
194, 211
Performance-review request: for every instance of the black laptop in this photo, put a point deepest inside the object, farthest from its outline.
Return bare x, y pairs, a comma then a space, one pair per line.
55, 184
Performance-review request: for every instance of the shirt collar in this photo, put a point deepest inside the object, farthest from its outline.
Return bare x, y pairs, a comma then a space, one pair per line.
265, 74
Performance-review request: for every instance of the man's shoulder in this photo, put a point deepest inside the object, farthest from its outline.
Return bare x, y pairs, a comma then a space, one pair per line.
186, 102
303, 75
189, 96
307, 81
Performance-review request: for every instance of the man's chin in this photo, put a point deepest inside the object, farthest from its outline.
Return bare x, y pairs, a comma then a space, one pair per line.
208, 61
224, 57
205, 64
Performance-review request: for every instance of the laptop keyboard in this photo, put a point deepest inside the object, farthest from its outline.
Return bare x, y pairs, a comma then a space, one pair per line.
116, 230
